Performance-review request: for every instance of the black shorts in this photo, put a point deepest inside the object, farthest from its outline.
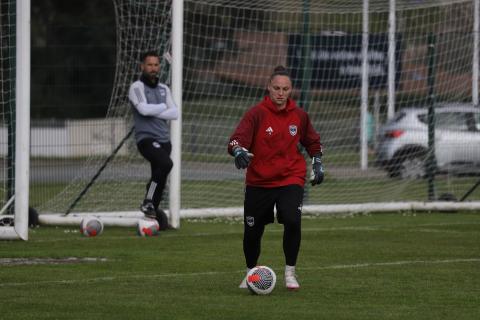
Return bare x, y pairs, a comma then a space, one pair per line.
260, 202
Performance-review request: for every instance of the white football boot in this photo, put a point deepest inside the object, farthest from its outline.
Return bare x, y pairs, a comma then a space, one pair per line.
243, 284
291, 279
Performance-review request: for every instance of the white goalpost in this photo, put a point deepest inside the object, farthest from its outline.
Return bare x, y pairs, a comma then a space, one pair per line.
176, 126
22, 123
354, 63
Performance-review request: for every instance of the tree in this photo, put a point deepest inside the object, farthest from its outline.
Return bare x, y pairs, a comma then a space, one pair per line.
73, 58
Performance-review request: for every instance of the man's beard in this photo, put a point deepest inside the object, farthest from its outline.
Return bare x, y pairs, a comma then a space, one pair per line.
152, 75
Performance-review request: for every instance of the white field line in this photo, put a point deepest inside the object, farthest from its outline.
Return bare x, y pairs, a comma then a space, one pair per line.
392, 263
214, 273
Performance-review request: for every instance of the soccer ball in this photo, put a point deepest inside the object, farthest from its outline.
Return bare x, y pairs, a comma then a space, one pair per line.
148, 227
91, 226
261, 280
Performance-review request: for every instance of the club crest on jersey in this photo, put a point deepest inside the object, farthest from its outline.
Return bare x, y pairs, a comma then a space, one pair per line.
293, 130
250, 221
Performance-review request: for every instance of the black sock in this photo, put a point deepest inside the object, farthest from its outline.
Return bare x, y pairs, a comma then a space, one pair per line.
291, 243
252, 239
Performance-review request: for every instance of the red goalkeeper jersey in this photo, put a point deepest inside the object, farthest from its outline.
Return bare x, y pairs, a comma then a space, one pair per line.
274, 137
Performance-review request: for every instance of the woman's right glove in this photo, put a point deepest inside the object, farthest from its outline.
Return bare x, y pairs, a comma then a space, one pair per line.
242, 157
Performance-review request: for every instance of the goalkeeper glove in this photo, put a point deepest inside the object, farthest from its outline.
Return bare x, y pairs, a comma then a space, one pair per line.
318, 172
242, 157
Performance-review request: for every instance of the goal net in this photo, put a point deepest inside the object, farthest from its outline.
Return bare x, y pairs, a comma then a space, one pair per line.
7, 81
229, 50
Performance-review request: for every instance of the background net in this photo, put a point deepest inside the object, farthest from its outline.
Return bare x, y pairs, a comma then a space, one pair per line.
230, 49
7, 101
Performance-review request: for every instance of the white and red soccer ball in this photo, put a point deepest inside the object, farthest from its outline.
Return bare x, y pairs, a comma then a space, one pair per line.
91, 226
261, 280
148, 227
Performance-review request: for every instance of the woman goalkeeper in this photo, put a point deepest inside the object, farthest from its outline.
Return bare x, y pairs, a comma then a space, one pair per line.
266, 143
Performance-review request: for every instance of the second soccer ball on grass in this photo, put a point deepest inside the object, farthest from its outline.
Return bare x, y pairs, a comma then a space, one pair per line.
148, 227
91, 226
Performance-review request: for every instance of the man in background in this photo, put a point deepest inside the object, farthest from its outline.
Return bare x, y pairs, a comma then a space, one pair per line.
153, 107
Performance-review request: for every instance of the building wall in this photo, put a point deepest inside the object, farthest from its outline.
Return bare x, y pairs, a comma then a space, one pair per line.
73, 138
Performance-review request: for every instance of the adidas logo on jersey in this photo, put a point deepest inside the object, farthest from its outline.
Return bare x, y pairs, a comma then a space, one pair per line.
269, 131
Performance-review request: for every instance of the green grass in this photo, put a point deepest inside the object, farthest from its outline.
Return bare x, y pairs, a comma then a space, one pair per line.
382, 266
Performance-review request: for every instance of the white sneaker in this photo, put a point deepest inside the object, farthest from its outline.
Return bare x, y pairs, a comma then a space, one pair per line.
243, 284
291, 281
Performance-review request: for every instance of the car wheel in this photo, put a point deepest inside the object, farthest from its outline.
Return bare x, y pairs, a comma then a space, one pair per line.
412, 167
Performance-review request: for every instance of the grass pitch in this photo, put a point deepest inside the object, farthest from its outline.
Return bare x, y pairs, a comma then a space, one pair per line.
380, 266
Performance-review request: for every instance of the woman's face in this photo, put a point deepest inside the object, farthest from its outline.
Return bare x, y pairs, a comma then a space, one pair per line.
279, 89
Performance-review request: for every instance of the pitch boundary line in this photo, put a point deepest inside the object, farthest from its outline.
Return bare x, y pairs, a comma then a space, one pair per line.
212, 273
